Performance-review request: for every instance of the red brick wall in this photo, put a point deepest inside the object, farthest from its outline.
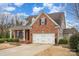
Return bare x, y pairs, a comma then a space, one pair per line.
48, 28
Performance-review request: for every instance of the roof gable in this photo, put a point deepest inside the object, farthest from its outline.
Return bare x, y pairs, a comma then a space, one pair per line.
56, 17
46, 16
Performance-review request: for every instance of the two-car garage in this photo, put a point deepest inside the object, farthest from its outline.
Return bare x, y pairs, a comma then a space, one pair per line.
44, 38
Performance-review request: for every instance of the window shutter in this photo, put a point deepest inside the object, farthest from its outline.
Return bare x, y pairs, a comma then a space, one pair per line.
45, 21
40, 21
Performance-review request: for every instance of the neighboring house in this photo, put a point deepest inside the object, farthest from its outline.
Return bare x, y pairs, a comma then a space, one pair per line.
43, 28
69, 32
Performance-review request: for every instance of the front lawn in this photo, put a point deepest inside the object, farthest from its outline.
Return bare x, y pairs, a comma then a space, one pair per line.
57, 51
8, 45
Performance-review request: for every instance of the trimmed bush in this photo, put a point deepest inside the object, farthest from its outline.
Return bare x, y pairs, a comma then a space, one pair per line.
74, 41
12, 40
0, 36
9, 40
63, 41
15, 40
2, 40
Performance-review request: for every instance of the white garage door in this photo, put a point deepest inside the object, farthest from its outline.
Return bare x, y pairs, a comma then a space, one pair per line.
44, 38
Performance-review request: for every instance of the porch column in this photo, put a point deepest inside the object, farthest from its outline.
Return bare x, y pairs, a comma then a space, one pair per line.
10, 33
14, 35
24, 35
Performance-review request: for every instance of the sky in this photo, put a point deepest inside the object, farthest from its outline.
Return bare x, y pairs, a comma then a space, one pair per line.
28, 9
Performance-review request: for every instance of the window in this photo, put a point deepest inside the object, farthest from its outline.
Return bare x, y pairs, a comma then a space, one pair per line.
42, 21
19, 34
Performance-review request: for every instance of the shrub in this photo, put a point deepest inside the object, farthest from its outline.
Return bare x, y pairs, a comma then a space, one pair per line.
78, 47
2, 41
0, 36
9, 40
12, 40
15, 40
74, 41
63, 41
4, 35
7, 35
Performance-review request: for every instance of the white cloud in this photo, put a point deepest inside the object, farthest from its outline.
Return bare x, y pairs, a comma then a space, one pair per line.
18, 4
8, 13
22, 14
70, 25
36, 10
49, 5
54, 9
9, 8
3, 5
5, 13
73, 23
57, 8
6, 7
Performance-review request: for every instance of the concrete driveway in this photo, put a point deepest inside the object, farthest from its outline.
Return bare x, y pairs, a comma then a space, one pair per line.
24, 50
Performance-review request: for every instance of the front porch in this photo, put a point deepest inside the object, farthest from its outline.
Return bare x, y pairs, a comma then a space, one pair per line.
22, 34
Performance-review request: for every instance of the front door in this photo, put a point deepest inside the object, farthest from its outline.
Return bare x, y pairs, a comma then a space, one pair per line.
27, 35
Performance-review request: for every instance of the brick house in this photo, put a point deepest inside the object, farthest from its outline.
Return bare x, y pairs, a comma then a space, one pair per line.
42, 28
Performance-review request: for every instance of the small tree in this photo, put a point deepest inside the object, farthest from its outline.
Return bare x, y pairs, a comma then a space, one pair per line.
63, 41
74, 41
78, 47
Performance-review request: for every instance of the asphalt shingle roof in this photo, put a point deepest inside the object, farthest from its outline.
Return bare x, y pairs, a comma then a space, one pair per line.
57, 17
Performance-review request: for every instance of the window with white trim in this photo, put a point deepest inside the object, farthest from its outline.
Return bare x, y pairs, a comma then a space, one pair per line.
43, 21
